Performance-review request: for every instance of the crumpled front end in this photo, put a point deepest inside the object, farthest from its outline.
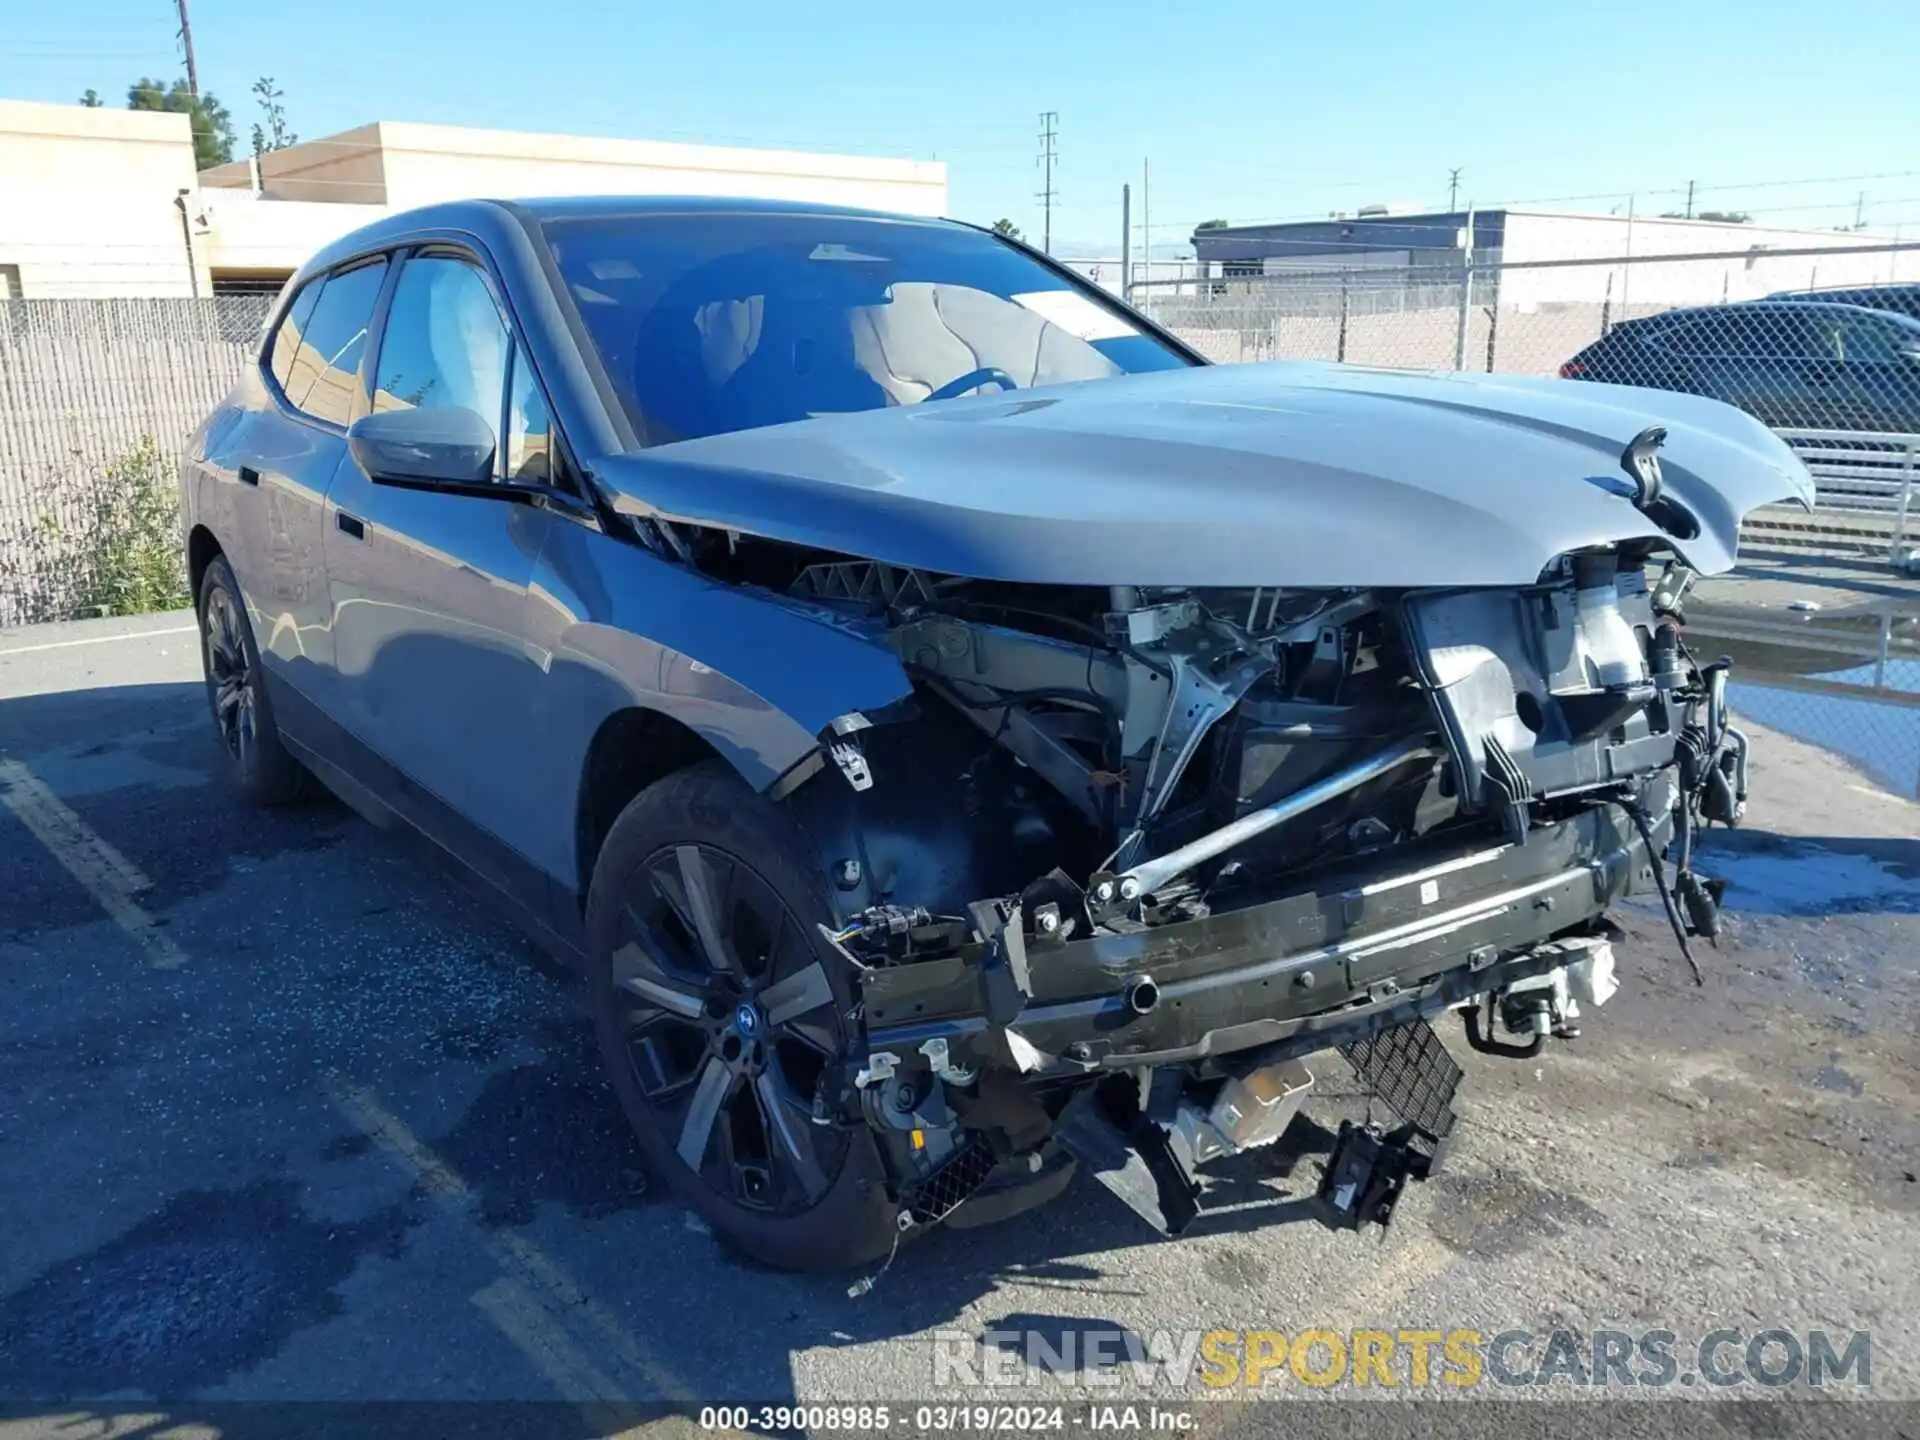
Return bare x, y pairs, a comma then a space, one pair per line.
1137, 861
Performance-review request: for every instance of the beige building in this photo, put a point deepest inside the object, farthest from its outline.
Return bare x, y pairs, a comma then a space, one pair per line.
99, 202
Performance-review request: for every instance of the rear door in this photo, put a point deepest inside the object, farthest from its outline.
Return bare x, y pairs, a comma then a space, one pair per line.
430, 588
272, 468
1703, 355
1790, 374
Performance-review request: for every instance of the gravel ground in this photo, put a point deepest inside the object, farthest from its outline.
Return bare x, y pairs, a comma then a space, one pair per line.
288, 1117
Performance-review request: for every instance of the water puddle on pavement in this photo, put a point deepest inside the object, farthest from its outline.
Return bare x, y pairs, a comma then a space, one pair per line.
1847, 682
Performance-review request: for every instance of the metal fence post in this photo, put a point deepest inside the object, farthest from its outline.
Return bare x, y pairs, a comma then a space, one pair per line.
1346, 301
1466, 292
1906, 498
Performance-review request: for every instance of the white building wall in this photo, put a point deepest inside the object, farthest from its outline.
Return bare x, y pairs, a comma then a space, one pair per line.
90, 198
87, 200
1651, 283
426, 163
249, 232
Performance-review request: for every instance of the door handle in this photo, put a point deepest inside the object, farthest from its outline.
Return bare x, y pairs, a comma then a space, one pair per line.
350, 524
249, 475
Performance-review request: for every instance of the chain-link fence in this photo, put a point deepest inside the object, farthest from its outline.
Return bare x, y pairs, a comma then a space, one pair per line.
96, 397
1839, 380
1849, 683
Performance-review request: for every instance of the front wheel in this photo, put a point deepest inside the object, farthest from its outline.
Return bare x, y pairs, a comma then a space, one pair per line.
719, 1012
236, 690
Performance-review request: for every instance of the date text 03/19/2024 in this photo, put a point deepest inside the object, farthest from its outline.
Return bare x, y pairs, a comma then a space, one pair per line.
945, 1418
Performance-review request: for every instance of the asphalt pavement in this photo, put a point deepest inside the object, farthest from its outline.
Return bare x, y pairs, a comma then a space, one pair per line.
286, 1115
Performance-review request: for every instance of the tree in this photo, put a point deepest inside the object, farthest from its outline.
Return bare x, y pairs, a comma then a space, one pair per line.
92, 100
1211, 225
1006, 227
274, 135
212, 126
1723, 217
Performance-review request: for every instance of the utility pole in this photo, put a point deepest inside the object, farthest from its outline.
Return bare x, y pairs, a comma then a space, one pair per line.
1049, 119
1126, 243
1146, 219
186, 43
1689, 199
1860, 211
1453, 188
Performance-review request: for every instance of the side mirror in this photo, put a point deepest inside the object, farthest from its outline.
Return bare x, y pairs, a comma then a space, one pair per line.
450, 446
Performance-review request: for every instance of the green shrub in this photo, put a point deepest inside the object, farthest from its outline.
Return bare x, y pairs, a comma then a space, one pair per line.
132, 553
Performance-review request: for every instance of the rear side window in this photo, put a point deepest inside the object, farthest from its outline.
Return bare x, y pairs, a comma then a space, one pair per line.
286, 339
1684, 337
323, 376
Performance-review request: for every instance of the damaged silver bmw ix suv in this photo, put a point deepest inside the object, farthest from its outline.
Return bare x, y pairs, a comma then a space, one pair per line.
933, 792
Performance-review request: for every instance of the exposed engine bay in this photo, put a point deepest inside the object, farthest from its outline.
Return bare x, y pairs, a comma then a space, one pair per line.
1132, 860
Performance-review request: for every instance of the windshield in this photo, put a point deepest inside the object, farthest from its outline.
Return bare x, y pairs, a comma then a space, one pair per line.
713, 323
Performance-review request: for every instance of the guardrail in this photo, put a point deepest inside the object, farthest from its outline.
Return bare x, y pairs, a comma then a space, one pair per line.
1863, 494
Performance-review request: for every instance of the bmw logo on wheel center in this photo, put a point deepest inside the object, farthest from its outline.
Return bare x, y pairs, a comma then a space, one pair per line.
745, 1018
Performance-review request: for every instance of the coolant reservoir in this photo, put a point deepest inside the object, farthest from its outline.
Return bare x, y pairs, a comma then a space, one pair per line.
1610, 651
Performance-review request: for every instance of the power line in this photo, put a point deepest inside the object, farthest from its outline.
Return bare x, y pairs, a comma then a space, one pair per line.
1049, 120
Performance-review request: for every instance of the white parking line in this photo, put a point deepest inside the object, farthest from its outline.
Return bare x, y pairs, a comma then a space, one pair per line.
1876, 793
516, 1314
537, 1306
107, 875
539, 1279
7, 651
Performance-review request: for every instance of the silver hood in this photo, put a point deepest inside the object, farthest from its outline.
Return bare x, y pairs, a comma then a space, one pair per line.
1297, 474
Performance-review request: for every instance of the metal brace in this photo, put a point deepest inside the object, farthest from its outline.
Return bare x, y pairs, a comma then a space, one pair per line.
852, 762
844, 748
880, 1065
1198, 700
942, 1064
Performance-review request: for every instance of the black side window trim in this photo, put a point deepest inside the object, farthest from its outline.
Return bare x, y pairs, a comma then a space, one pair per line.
264, 362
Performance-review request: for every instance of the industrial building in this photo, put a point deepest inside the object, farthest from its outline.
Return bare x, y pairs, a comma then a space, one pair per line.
1533, 255
96, 202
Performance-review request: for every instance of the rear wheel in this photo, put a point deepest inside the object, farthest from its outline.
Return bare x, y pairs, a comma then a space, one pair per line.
720, 1011
236, 690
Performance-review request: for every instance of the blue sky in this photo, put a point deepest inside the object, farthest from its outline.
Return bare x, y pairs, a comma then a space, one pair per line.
1247, 110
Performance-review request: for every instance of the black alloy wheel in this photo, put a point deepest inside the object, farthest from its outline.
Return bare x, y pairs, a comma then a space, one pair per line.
230, 676
728, 1023
259, 763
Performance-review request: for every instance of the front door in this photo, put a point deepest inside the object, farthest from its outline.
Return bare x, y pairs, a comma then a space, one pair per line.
1880, 374
430, 589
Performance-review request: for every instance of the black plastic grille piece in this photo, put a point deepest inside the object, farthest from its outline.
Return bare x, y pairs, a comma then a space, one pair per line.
941, 1193
1409, 1068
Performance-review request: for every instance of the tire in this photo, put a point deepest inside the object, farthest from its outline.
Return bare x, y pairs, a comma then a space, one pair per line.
257, 762
699, 862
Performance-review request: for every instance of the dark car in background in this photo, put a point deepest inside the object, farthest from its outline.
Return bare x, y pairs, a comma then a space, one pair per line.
1811, 365
934, 708
1901, 299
